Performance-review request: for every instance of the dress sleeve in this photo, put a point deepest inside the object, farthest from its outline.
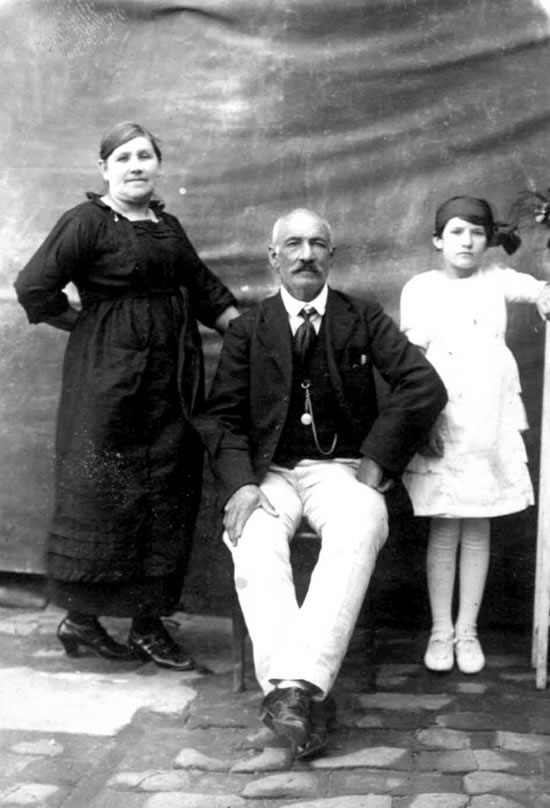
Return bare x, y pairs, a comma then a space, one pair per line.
519, 287
209, 296
414, 314
40, 283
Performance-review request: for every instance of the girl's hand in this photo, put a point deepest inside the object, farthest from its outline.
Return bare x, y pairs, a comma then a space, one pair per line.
543, 302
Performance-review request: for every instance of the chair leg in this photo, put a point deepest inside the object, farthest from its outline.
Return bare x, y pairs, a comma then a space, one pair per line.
239, 646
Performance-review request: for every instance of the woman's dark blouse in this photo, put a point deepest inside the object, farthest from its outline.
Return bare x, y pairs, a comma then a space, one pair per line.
96, 249
128, 462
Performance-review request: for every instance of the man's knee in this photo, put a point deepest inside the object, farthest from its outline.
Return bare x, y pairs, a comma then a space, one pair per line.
361, 520
261, 530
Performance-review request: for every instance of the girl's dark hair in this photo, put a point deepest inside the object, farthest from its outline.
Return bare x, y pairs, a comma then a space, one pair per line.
478, 211
122, 133
471, 209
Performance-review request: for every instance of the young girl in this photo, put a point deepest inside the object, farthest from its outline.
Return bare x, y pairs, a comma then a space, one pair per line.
475, 466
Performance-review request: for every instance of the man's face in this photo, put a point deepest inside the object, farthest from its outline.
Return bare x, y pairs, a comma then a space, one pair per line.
301, 254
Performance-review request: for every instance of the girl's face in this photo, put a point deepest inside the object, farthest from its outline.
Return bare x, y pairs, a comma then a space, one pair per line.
131, 171
462, 244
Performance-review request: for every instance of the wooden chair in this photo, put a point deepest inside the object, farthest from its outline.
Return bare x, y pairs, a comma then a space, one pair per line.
541, 608
305, 541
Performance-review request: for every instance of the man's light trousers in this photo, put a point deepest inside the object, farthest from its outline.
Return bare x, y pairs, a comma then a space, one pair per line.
308, 642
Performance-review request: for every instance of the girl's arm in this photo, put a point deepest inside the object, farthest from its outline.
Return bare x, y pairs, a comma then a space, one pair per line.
543, 302
519, 287
414, 314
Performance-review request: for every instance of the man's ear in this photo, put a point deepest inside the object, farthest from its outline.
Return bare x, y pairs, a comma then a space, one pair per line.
272, 255
102, 167
437, 242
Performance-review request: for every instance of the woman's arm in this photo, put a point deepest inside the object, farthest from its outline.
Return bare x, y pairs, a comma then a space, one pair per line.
64, 321
222, 322
211, 301
39, 285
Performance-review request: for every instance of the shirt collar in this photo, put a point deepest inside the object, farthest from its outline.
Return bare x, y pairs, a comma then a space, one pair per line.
294, 306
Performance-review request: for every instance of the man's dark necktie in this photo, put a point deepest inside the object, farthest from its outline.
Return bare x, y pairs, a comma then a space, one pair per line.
304, 338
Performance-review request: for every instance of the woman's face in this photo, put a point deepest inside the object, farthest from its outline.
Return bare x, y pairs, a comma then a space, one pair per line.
131, 171
462, 244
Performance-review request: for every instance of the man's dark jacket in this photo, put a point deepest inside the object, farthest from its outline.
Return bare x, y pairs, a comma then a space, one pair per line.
243, 418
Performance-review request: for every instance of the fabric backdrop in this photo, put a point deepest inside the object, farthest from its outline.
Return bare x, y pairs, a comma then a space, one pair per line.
369, 111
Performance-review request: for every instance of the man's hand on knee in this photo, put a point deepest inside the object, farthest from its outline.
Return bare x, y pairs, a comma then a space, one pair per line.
240, 506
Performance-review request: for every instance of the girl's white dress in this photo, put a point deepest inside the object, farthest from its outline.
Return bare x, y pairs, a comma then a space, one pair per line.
461, 325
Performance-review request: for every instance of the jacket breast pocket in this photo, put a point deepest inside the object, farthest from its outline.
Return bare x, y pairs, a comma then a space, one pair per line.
358, 359
357, 378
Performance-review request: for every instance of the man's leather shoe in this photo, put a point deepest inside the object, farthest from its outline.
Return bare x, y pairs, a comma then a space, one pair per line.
322, 715
286, 711
159, 646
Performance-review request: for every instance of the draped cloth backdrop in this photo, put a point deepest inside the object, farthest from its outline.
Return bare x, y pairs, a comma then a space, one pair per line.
369, 111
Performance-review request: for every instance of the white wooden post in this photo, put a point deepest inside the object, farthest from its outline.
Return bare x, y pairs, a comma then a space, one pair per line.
541, 614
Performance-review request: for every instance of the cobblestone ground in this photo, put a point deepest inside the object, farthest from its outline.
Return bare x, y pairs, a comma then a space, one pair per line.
82, 734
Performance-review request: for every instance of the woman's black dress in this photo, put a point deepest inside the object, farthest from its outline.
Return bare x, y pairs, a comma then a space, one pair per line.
128, 461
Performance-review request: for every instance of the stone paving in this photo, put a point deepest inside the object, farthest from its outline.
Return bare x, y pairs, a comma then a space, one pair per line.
82, 734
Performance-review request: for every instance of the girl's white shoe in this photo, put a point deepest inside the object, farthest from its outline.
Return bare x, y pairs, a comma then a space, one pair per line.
469, 656
439, 656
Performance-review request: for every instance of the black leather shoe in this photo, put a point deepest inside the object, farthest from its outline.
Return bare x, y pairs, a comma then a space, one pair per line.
91, 636
322, 717
159, 646
286, 711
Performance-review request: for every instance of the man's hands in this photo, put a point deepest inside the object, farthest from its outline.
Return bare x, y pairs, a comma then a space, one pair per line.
371, 473
240, 506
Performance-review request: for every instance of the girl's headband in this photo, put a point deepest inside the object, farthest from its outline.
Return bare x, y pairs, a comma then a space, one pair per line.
477, 211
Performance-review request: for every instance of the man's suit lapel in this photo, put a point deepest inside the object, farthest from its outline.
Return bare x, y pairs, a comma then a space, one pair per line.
340, 324
274, 335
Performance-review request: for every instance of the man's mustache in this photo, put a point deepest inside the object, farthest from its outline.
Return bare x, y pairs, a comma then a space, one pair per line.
306, 267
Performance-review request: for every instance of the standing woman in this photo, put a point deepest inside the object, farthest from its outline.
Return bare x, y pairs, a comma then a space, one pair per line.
128, 461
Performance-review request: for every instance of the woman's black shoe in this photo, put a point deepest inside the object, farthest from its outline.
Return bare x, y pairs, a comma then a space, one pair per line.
92, 636
160, 647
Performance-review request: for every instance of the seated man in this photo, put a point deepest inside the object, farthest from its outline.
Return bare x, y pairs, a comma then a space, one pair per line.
292, 429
